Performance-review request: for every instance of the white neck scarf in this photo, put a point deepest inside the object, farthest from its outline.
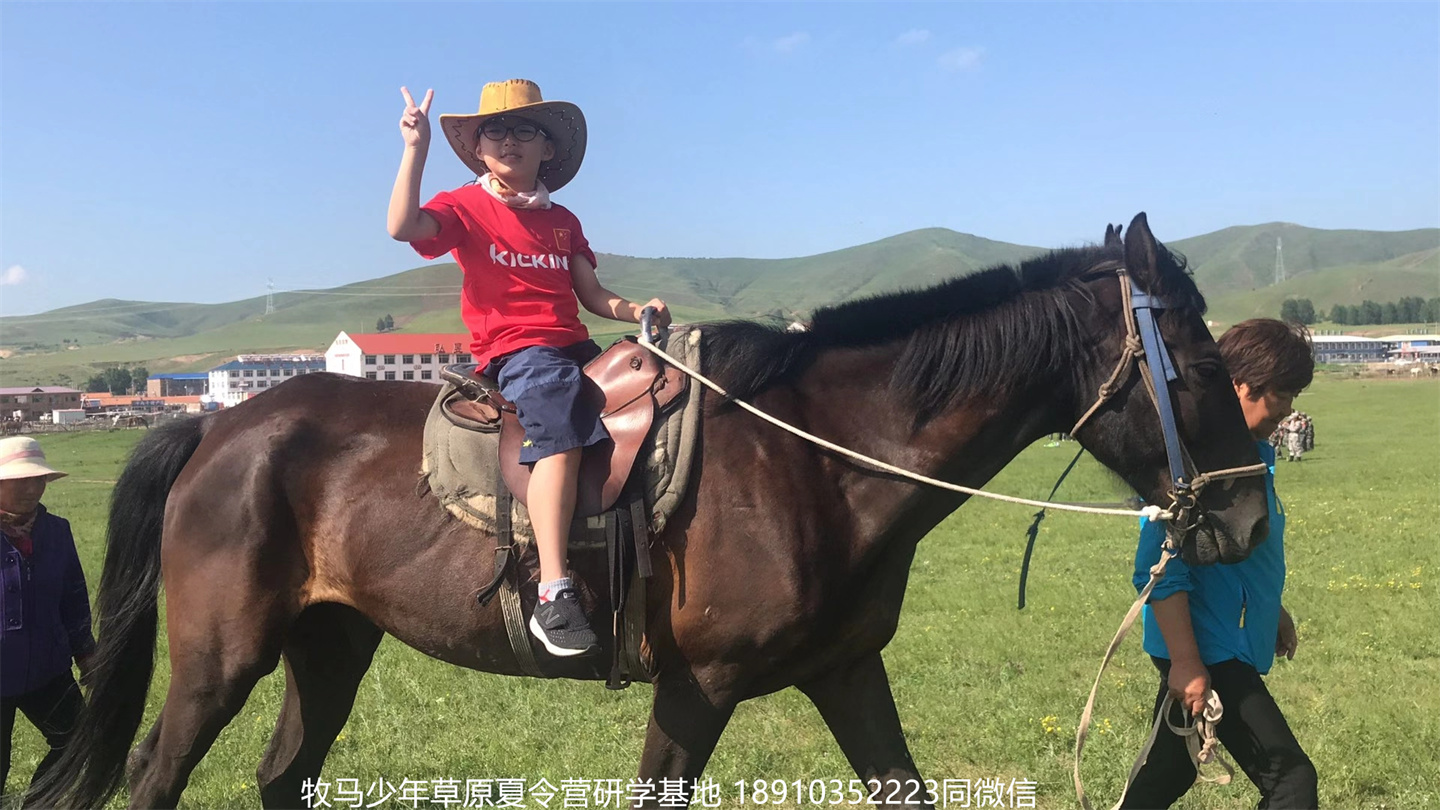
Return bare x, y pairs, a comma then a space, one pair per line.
537, 199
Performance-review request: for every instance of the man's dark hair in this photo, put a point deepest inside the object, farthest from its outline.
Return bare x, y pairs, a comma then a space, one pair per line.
1268, 355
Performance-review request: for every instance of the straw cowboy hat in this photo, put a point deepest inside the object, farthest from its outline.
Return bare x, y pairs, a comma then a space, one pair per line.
562, 121
21, 457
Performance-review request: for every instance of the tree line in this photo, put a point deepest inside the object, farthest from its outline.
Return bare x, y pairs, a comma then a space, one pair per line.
116, 380
1411, 309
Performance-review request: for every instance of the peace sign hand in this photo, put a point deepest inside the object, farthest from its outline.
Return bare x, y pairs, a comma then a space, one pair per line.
415, 122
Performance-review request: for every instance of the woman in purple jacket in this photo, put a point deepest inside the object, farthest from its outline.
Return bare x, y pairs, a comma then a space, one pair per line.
44, 608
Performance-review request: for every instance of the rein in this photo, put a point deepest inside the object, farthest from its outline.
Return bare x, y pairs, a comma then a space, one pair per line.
1149, 512
1184, 491
1144, 349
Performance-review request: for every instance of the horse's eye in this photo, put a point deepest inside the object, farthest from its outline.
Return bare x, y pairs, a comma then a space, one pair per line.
1206, 369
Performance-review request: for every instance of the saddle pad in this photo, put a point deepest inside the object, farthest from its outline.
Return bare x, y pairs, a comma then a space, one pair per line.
460, 464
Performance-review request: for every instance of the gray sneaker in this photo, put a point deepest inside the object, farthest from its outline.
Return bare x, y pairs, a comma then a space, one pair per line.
562, 627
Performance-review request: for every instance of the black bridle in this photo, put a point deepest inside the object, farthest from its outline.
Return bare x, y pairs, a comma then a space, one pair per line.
1145, 348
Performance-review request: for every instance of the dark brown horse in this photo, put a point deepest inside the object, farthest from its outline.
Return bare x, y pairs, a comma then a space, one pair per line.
291, 529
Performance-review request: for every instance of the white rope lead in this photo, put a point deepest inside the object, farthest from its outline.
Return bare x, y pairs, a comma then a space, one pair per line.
1153, 513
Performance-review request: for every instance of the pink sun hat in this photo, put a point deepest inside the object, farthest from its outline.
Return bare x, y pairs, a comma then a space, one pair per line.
21, 457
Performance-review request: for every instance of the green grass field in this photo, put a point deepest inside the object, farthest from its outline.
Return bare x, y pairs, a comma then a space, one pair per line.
983, 690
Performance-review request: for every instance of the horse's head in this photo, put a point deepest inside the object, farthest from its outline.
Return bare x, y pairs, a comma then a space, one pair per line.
1229, 516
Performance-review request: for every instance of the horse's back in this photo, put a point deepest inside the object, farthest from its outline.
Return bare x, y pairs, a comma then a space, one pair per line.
275, 484
314, 489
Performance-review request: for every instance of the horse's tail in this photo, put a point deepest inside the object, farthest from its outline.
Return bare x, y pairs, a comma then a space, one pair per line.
91, 769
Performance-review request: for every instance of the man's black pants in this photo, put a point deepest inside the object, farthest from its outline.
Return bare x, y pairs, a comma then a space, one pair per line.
1254, 733
53, 708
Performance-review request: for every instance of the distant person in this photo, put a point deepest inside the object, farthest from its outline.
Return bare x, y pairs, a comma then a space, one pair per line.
525, 261
1221, 626
44, 607
1295, 441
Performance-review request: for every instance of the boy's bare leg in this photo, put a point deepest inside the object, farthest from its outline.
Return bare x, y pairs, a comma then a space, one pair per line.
551, 497
559, 621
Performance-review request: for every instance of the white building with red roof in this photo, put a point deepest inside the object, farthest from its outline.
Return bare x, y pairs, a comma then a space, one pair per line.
396, 356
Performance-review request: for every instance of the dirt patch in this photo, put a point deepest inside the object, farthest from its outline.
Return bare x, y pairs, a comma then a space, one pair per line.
5, 354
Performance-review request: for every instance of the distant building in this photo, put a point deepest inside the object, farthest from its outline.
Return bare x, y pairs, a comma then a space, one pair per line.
30, 402
67, 416
250, 374
127, 403
1347, 349
396, 356
1411, 347
177, 385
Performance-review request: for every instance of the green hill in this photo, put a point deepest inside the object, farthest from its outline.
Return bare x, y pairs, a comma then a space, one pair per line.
1234, 267
352, 306
790, 287
74, 342
1413, 274
1243, 258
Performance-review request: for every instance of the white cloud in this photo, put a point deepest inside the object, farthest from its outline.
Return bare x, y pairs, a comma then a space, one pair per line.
961, 59
14, 274
791, 43
783, 45
914, 36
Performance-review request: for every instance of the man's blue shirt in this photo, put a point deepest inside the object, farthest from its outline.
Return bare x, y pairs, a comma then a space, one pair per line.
1235, 609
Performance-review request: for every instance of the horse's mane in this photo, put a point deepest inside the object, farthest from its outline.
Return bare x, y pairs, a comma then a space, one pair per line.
975, 334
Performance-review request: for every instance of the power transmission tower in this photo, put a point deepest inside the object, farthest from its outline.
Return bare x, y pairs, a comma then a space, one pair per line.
1279, 262
269, 296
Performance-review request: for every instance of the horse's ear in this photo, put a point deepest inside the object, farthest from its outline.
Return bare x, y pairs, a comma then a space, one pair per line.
1141, 253
1112, 236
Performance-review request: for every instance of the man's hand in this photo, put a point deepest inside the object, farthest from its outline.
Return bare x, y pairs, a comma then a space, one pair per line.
1285, 639
1189, 681
415, 121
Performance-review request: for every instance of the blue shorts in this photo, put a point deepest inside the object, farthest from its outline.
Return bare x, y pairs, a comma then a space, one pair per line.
556, 404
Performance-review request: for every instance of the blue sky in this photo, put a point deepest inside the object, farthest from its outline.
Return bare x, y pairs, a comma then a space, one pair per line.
189, 152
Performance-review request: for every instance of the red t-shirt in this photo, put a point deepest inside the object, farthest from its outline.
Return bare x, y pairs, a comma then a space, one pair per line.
517, 290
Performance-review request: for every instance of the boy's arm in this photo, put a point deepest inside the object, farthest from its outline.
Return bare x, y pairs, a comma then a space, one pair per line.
606, 304
1170, 604
1189, 679
406, 222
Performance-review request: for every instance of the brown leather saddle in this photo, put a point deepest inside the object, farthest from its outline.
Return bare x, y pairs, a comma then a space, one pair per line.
633, 386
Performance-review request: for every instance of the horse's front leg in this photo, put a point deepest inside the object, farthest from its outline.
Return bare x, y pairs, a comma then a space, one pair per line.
857, 705
685, 724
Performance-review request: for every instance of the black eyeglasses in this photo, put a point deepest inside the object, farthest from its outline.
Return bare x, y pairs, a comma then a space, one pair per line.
496, 129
